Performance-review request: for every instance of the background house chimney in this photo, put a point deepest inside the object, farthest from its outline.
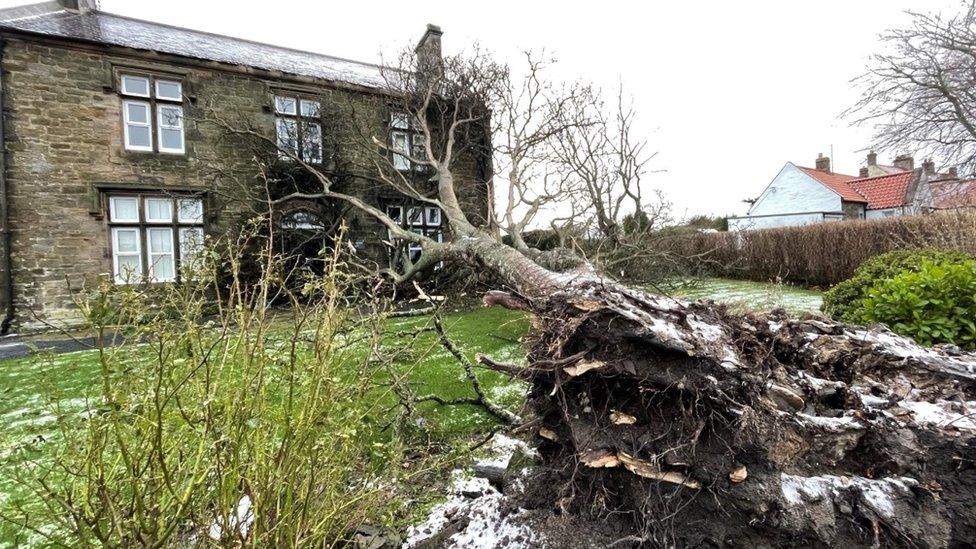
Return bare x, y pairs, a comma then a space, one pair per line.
954, 173
863, 172
80, 6
872, 158
428, 50
823, 163
928, 166
905, 162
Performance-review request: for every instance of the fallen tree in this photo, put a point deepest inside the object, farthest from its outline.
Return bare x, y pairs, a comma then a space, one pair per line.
700, 426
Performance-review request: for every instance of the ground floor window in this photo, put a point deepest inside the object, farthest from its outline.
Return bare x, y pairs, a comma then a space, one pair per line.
419, 218
154, 237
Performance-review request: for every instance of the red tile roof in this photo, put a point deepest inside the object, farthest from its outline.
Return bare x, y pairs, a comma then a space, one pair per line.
886, 191
837, 182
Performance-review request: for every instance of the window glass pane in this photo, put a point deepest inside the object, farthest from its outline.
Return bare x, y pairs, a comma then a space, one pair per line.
433, 215
417, 146
415, 216
135, 85
395, 213
287, 135
159, 210
285, 105
400, 161
191, 243
162, 267
310, 108
128, 268
170, 116
190, 210
170, 140
124, 208
400, 120
160, 241
137, 112
126, 241
313, 143
169, 89
138, 137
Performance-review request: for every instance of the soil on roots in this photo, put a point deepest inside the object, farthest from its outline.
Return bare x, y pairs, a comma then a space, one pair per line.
697, 427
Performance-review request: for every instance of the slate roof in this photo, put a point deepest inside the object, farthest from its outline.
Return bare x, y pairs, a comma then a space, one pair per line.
837, 182
953, 193
886, 191
49, 19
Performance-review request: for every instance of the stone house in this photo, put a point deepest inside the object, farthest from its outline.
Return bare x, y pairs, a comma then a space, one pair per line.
111, 170
801, 196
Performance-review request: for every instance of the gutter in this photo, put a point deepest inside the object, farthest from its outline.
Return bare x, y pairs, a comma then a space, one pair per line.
5, 260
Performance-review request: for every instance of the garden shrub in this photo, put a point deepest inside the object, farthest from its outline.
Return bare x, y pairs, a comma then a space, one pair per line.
935, 304
844, 300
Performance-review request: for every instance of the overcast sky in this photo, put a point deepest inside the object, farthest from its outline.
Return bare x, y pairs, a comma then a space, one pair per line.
726, 91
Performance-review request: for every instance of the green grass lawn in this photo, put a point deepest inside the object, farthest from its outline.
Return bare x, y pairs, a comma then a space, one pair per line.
747, 295
35, 390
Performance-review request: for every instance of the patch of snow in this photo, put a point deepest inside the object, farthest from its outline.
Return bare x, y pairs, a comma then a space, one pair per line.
501, 449
877, 494
708, 332
240, 521
872, 401
488, 527
940, 414
835, 424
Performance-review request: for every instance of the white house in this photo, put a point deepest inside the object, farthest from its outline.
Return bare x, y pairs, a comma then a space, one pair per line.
801, 196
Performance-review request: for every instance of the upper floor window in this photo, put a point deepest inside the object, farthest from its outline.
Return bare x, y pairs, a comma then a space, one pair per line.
297, 128
406, 140
154, 237
152, 114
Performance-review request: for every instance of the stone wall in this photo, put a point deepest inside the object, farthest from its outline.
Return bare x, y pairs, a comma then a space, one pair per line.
64, 144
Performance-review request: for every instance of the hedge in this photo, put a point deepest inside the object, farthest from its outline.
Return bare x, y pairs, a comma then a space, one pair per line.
822, 254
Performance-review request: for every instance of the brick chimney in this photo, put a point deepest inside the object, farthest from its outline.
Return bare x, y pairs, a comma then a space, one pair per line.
872, 158
904, 162
823, 163
863, 172
80, 6
928, 166
428, 50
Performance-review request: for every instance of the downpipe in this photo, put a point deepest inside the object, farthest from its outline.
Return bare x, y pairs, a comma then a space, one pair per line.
5, 261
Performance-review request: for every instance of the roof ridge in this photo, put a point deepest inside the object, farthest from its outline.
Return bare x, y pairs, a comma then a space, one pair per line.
227, 36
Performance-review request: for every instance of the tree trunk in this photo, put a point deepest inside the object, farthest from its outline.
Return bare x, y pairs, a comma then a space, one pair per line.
712, 429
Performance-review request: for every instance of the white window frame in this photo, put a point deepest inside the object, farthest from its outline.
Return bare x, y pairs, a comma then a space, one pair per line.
433, 215
118, 275
161, 125
126, 122
401, 158
124, 91
179, 87
281, 100
314, 111
112, 209
153, 102
158, 220
304, 114
177, 226
179, 210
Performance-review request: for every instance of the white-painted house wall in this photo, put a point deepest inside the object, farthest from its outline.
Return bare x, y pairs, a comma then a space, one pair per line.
792, 198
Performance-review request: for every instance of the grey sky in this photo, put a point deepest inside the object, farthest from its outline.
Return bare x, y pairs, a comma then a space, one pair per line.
726, 91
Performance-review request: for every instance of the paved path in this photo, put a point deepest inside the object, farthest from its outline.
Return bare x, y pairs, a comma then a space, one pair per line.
19, 346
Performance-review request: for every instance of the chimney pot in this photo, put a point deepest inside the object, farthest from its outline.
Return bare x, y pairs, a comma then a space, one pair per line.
823, 163
872, 158
80, 6
928, 166
905, 162
863, 172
